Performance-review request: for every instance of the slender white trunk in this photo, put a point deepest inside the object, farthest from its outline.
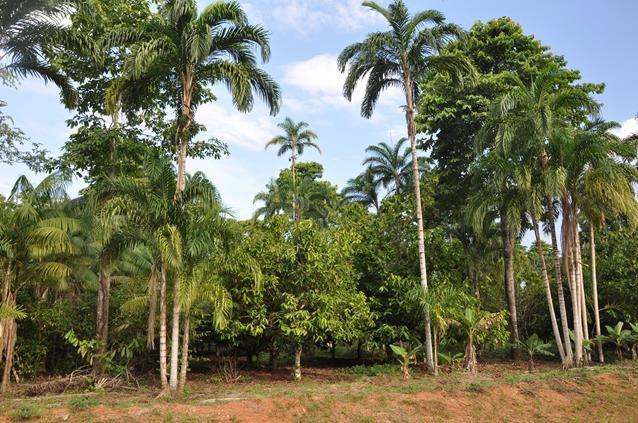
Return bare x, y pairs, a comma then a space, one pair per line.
548, 291
416, 178
172, 381
594, 288
152, 306
581, 288
296, 371
568, 254
162, 332
185, 341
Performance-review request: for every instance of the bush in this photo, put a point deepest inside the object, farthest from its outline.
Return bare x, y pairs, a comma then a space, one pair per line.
25, 412
82, 403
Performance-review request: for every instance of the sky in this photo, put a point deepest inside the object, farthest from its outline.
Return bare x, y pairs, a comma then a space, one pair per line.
597, 37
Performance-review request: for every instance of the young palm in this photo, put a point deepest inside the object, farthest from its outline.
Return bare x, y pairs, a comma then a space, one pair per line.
620, 337
186, 52
534, 346
473, 322
392, 165
297, 137
26, 26
397, 58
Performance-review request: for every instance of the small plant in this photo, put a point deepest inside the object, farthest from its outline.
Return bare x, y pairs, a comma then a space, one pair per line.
25, 412
82, 403
534, 346
452, 360
405, 358
621, 338
634, 346
228, 370
372, 370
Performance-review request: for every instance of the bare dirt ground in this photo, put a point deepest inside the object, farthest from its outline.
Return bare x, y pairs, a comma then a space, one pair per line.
501, 391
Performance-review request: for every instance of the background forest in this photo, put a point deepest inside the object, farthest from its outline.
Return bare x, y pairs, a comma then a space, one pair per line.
421, 255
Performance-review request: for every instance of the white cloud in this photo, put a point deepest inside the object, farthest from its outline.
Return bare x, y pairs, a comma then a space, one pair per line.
249, 131
307, 16
627, 128
321, 85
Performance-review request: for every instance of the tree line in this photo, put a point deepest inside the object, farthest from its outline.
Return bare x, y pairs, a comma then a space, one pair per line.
423, 247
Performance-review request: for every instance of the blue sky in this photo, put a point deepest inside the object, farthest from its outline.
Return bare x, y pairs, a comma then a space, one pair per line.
596, 37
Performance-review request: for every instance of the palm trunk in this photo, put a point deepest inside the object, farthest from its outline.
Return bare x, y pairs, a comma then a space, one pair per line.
172, 380
185, 341
568, 257
510, 286
6, 290
182, 134
162, 331
409, 116
10, 342
581, 288
569, 355
102, 321
548, 291
152, 314
594, 288
296, 371
293, 169
470, 355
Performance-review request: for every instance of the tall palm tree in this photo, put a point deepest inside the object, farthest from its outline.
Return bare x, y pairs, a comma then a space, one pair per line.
187, 52
397, 58
26, 26
530, 113
498, 195
363, 190
296, 138
392, 165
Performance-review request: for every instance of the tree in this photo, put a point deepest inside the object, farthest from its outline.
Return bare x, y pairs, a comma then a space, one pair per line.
473, 323
297, 137
185, 52
363, 190
535, 346
36, 242
398, 58
620, 337
391, 165
27, 27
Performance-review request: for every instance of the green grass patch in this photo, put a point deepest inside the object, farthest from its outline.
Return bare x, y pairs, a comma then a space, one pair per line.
372, 370
82, 403
24, 413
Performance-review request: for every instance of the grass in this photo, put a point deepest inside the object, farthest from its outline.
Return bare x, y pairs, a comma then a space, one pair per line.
25, 412
82, 403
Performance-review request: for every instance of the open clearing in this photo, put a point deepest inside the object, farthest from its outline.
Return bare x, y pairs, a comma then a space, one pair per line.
500, 392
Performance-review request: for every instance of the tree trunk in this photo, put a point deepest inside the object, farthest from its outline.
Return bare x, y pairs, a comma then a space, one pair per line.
184, 124
185, 341
548, 290
510, 286
296, 371
152, 306
470, 355
594, 288
581, 287
333, 351
293, 169
568, 257
11, 335
569, 355
416, 178
172, 380
162, 332
102, 321
359, 351
272, 356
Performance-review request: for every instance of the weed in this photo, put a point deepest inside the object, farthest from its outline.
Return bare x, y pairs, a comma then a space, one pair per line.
25, 412
82, 403
478, 386
373, 370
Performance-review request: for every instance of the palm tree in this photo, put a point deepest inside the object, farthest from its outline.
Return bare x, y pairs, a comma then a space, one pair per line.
26, 26
532, 112
391, 165
36, 242
187, 52
363, 190
473, 322
397, 58
297, 137
498, 195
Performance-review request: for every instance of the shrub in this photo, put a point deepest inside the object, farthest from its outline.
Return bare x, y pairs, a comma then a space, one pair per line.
82, 403
25, 412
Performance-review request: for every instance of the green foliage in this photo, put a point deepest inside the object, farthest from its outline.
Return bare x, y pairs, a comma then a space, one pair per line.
372, 370
534, 346
77, 404
25, 412
405, 358
618, 336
